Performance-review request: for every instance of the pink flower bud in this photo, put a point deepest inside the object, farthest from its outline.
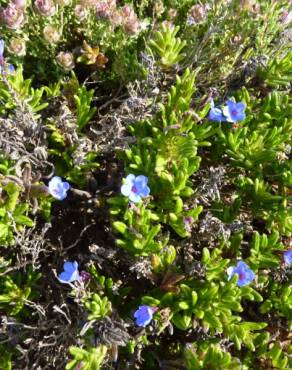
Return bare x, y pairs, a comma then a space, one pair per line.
17, 46
131, 23
19, 3
168, 24
66, 60
286, 17
116, 18
128, 11
104, 9
46, 8
12, 16
51, 34
132, 26
172, 13
198, 12
80, 12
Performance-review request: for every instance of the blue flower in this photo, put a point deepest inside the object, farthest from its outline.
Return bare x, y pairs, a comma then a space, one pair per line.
144, 315
215, 114
2, 60
288, 257
70, 273
57, 188
2, 44
135, 187
245, 274
10, 67
234, 112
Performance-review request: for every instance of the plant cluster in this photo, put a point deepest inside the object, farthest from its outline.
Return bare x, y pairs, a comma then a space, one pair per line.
145, 185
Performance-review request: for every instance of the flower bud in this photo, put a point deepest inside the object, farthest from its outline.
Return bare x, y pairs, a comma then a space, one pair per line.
286, 17
131, 23
17, 46
116, 18
80, 12
172, 13
66, 60
19, 3
105, 9
51, 34
236, 40
132, 26
12, 16
168, 24
159, 8
198, 13
85, 276
46, 8
128, 11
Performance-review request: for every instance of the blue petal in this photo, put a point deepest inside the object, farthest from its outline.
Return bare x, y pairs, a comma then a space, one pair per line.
55, 180
250, 275
141, 179
2, 44
69, 276
240, 106
134, 197
130, 178
70, 266
288, 257
64, 277
215, 114
230, 272
143, 323
231, 105
227, 114
242, 266
240, 116
10, 68
144, 192
66, 185
126, 189
241, 283
143, 315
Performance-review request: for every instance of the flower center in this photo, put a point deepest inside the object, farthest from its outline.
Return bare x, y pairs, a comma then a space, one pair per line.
134, 189
234, 112
242, 276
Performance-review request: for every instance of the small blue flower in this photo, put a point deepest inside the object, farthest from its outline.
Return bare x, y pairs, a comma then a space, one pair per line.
2, 60
70, 273
135, 187
144, 315
288, 257
2, 44
215, 114
57, 188
10, 67
245, 274
234, 112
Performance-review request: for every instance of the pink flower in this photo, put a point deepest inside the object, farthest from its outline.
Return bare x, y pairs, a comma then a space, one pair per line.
66, 60
46, 8
105, 9
80, 12
128, 11
19, 3
13, 16
131, 23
